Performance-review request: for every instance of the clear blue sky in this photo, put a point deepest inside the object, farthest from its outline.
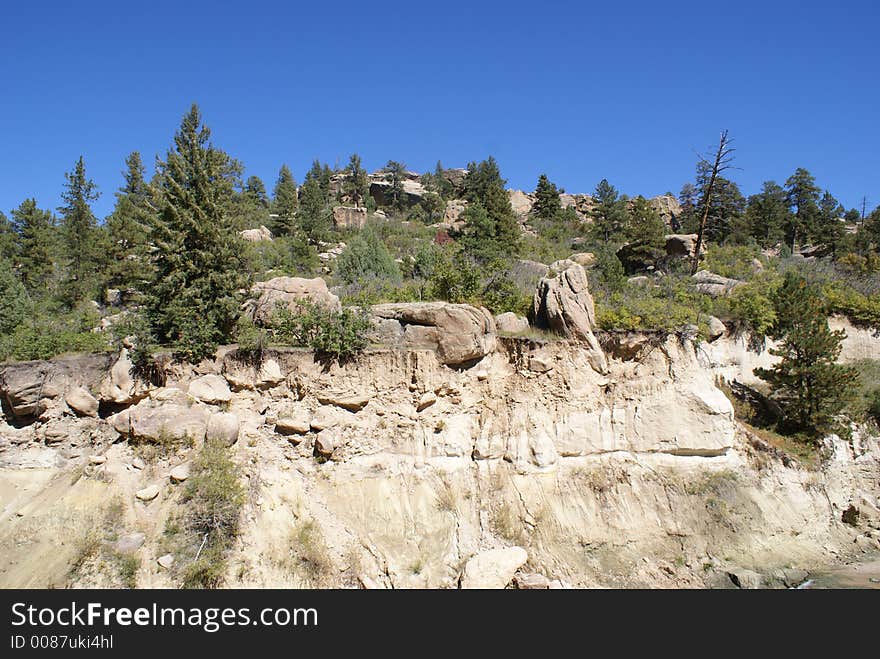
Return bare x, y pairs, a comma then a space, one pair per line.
623, 90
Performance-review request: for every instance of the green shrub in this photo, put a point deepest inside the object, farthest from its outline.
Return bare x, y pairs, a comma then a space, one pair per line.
734, 261
251, 340
752, 304
874, 405
337, 334
366, 256
292, 255
213, 499
455, 278
136, 327
14, 304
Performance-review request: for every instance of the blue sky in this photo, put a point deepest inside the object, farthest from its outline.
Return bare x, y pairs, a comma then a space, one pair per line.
622, 90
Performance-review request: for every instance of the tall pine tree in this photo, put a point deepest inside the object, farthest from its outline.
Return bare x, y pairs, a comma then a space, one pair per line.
608, 213
128, 229
485, 186
807, 382
802, 196
767, 214
81, 238
547, 205
200, 261
38, 248
284, 203
356, 186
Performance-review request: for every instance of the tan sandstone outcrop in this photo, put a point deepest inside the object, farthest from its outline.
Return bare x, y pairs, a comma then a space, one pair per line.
459, 333
288, 292
563, 304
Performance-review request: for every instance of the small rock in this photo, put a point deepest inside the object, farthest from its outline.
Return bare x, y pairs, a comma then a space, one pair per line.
717, 329
180, 473
97, 459
223, 428
138, 463
511, 323
540, 363
745, 579
292, 426
531, 582
493, 568
128, 544
584, 259
148, 493
165, 561
792, 577
82, 402
427, 399
325, 443
211, 389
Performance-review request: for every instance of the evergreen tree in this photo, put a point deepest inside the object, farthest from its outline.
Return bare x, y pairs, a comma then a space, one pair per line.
13, 299
767, 214
200, 259
484, 185
38, 248
829, 229
802, 196
128, 229
322, 175
478, 234
688, 220
357, 185
809, 385
547, 205
726, 206
284, 203
8, 242
395, 196
644, 232
608, 213
255, 191
80, 232
366, 257
313, 214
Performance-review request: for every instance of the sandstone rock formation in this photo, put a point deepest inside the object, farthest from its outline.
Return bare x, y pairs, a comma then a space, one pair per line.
256, 235
24, 385
459, 333
493, 568
683, 245
511, 323
715, 285
563, 304
81, 401
349, 217
288, 291
210, 389
166, 415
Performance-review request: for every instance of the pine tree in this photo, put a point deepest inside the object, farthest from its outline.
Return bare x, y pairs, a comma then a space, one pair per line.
255, 191
608, 213
808, 383
313, 215
13, 299
38, 248
767, 214
802, 196
128, 229
81, 238
322, 175
357, 185
547, 205
485, 186
8, 242
284, 203
829, 229
201, 267
395, 196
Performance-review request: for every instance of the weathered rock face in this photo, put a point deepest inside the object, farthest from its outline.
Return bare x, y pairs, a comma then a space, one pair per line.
289, 291
521, 202
584, 259
668, 208
349, 217
709, 283
528, 273
511, 323
256, 235
683, 245
493, 568
24, 384
166, 415
459, 333
120, 386
563, 304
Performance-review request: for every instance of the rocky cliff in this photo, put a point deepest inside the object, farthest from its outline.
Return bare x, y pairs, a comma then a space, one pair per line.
526, 465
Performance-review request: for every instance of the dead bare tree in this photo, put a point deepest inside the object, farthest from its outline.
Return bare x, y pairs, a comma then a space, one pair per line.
723, 158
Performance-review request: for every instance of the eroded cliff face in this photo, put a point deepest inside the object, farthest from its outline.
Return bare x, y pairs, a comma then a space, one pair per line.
528, 467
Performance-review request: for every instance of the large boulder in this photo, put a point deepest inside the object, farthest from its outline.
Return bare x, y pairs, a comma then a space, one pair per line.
210, 389
82, 402
256, 235
493, 568
521, 202
668, 208
23, 385
563, 304
683, 245
167, 415
459, 333
223, 428
119, 385
349, 217
289, 291
709, 283
526, 273
511, 323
